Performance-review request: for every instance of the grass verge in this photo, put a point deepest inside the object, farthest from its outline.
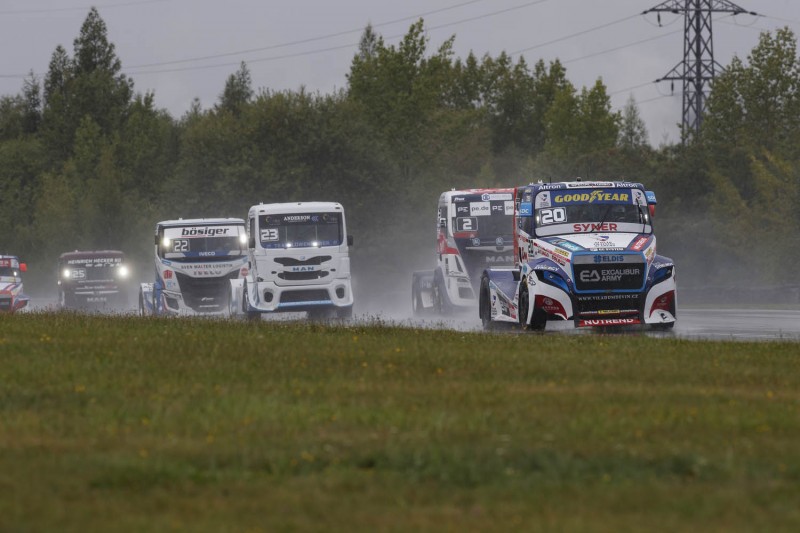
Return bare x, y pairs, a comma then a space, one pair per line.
129, 424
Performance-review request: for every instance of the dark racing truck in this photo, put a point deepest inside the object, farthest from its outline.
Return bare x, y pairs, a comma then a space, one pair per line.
586, 252
93, 280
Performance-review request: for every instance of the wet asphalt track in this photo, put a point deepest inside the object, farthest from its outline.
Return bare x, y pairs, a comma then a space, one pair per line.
693, 323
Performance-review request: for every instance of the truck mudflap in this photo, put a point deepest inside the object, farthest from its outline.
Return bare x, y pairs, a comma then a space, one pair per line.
10, 303
422, 292
497, 298
147, 304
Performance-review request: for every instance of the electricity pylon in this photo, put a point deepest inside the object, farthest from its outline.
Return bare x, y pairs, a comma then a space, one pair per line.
698, 67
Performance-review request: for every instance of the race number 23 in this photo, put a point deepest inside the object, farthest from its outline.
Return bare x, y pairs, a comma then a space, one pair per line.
270, 234
553, 216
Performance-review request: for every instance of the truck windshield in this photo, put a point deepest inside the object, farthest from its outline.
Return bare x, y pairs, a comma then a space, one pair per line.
483, 216
300, 230
591, 211
193, 243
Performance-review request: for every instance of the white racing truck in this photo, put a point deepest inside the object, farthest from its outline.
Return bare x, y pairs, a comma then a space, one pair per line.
584, 251
12, 299
195, 261
298, 261
474, 230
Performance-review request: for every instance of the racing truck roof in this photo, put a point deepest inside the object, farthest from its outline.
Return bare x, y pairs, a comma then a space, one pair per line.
199, 222
470, 192
293, 207
90, 254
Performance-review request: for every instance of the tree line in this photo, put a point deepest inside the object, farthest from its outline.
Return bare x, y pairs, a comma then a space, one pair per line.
87, 162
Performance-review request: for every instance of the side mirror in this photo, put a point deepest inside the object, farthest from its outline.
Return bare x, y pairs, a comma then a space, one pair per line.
349, 240
155, 240
652, 211
23, 267
251, 241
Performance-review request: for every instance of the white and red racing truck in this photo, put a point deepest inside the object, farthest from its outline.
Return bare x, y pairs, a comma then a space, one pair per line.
584, 251
474, 230
195, 261
12, 298
299, 261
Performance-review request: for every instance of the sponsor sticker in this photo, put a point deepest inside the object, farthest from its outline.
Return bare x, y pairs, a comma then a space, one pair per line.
479, 209
597, 196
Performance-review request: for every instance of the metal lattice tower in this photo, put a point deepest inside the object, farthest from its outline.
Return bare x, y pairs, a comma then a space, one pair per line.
698, 67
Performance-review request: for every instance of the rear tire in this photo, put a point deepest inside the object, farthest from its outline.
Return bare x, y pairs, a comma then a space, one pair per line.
416, 297
441, 305
485, 306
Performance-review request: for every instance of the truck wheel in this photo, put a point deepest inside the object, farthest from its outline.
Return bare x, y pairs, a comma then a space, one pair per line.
484, 305
142, 311
416, 298
344, 313
440, 303
538, 320
251, 315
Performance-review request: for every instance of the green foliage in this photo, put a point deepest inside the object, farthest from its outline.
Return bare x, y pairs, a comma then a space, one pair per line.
85, 162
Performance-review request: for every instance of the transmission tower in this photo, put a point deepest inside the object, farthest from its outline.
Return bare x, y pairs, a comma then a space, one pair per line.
698, 67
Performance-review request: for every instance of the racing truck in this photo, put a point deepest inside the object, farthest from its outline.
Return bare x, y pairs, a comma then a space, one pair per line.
474, 230
586, 252
195, 261
298, 261
92, 279
12, 298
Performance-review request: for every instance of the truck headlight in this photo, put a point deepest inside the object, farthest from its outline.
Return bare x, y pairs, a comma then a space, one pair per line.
123, 272
66, 273
243, 238
166, 242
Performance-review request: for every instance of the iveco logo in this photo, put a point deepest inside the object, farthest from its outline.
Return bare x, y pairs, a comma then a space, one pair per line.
590, 276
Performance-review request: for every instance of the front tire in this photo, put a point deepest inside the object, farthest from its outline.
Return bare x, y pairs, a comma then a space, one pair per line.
539, 319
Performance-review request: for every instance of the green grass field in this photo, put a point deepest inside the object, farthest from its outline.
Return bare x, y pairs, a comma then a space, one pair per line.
128, 424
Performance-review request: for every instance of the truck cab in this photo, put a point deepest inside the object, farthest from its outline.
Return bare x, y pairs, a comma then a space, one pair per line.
586, 252
298, 261
92, 280
195, 260
12, 298
474, 231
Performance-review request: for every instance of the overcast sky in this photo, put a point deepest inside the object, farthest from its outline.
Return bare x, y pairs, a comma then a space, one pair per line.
182, 49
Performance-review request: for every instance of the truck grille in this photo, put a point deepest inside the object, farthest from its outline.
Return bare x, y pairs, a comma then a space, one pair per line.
304, 296
302, 276
599, 304
206, 295
312, 261
608, 272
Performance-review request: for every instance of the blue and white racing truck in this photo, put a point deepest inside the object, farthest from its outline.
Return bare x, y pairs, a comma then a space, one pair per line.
12, 298
298, 261
195, 261
586, 252
474, 230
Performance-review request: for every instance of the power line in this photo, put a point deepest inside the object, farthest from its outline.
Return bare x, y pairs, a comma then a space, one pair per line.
83, 8
570, 36
133, 70
622, 47
308, 40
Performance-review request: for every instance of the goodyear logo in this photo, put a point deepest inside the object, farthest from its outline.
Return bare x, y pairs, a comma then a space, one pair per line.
598, 196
